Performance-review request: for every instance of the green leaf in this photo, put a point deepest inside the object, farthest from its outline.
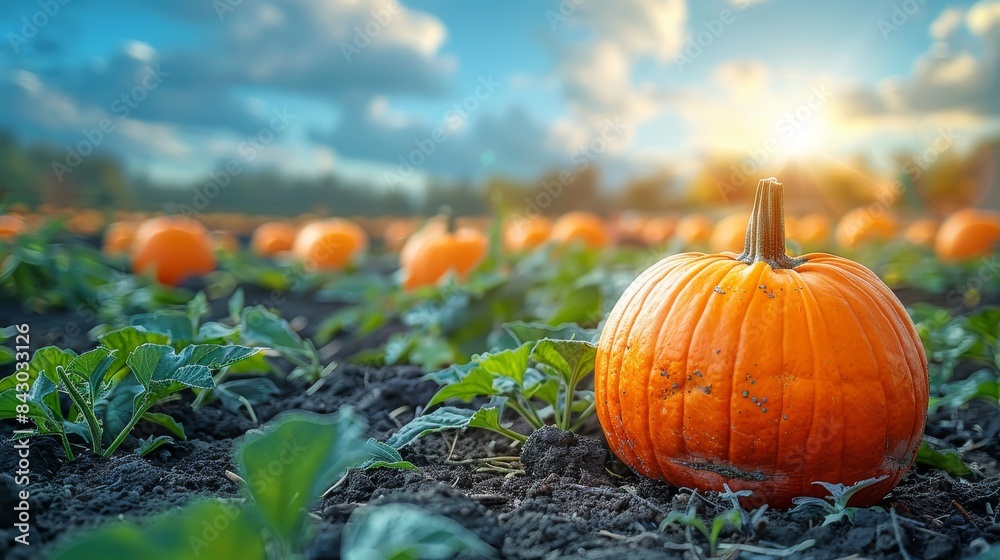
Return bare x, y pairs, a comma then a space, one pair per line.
292, 461
261, 327
570, 360
235, 305
43, 360
166, 421
384, 456
431, 352
89, 369
192, 367
405, 532
439, 420
532, 332
253, 391
983, 384
947, 460
198, 531
176, 325
506, 363
125, 340
478, 382
151, 444
197, 307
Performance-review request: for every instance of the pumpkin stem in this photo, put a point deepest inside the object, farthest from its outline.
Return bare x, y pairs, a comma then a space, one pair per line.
765, 241
449, 216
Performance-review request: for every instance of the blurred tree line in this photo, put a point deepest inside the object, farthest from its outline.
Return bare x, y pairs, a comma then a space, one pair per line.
938, 182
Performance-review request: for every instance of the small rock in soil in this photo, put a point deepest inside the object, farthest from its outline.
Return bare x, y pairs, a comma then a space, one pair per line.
940, 548
554, 451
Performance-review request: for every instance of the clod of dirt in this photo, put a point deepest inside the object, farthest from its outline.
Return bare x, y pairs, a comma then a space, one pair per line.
554, 451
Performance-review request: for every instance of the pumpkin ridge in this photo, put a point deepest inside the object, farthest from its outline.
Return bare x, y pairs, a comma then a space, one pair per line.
653, 277
815, 313
914, 422
685, 277
863, 326
736, 360
697, 282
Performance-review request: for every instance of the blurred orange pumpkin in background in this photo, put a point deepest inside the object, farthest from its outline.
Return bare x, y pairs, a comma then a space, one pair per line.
812, 231
658, 230
436, 250
581, 227
865, 225
922, 232
271, 238
522, 234
397, 231
967, 235
225, 241
329, 244
628, 227
118, 237
694, 230
11, 225
730, 233
174, 248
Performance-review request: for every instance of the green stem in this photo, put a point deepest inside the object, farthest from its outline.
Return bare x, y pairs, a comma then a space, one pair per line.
583, 417
66, 448
510, 433
568, 408
530, 417
82, 405
125, 432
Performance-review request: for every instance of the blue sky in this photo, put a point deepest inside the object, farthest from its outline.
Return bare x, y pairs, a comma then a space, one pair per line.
681, 79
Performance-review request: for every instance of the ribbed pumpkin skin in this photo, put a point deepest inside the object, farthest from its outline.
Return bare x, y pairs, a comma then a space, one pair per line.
826, 349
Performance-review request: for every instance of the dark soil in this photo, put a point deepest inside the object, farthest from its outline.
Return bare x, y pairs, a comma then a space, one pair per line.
567, 497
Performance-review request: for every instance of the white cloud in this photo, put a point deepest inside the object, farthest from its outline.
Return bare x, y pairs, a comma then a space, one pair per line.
947, 23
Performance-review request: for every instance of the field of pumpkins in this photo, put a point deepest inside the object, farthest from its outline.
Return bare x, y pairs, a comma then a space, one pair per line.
756, 381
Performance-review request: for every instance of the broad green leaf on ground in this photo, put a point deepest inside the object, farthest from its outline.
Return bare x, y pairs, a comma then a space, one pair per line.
151, 444
167, 422
291, 461
406, 532
438, 420
384, 456
947, 460
202, 530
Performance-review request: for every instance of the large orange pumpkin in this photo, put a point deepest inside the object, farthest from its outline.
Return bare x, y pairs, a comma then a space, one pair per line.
433, 252
730, 233
329, 244
694, 230
581, 227
967, 235
118, 237
865, 225
762, 371
174, 247
271, 238
523, 234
